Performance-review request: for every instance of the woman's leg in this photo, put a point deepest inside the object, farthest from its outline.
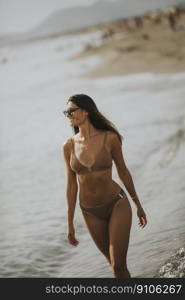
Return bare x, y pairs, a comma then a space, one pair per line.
119, 233
98, 229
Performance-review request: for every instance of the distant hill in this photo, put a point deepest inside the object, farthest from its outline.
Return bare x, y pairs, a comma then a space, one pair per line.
81, 17
98, 13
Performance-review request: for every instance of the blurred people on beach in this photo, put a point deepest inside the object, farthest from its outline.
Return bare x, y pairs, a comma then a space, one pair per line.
170, 16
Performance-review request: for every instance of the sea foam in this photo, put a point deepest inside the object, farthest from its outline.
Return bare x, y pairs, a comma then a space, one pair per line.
174, 267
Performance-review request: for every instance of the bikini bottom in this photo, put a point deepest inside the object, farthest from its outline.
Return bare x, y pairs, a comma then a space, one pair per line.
103, 211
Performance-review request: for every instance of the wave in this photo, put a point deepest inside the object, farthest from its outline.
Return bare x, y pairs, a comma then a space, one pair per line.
174, 267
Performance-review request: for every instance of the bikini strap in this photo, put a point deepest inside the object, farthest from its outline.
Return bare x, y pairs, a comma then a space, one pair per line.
72, 141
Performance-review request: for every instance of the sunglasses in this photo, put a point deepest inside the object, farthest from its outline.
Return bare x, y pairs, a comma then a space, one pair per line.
69, 111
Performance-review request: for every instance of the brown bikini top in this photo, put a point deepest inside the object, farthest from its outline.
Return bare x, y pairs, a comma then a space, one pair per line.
103, 160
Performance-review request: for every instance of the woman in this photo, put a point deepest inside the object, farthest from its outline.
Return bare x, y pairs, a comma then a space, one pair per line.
105, 207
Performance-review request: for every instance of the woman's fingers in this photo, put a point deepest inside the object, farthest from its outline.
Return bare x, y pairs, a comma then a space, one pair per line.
72, 239
142, 217
142, 221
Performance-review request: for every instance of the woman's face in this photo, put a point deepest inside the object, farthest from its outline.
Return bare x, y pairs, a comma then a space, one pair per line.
77, 116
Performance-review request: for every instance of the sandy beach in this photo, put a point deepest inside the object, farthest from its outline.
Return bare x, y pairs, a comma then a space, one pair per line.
153, 47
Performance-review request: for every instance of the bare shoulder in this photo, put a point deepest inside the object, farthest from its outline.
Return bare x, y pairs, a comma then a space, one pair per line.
111, 133
112, 138
66, 146
67, 142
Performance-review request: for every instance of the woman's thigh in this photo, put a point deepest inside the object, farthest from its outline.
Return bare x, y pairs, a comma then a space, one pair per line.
119, 231
98, 229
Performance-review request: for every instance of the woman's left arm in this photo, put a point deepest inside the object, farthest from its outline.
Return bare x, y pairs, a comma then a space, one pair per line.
125, 176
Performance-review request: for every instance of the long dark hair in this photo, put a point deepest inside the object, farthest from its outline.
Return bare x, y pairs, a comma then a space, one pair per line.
95, 116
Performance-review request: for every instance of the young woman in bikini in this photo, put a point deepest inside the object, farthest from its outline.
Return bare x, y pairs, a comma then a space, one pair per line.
105, 207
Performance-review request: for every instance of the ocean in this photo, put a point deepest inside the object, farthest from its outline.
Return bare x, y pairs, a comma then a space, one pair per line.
149, 111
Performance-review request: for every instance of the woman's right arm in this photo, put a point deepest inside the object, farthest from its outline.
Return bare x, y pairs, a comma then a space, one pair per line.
71, 191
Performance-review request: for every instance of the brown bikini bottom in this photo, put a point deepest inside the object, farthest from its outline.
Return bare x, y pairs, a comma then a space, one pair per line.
103, 211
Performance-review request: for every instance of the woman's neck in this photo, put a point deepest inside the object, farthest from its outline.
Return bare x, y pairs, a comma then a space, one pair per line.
87, 130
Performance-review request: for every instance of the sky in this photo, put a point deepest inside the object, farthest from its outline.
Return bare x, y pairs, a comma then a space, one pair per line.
23, 15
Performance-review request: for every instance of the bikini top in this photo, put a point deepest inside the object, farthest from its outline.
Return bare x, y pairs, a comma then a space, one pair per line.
103, 160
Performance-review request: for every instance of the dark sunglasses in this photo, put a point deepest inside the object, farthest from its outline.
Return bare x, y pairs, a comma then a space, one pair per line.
69, 111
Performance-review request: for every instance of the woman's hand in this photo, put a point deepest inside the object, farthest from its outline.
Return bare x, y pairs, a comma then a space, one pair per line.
142, 216
71, 236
